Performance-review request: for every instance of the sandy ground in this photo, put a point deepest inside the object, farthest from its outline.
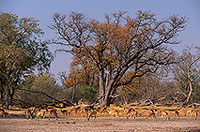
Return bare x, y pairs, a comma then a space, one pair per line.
100, 124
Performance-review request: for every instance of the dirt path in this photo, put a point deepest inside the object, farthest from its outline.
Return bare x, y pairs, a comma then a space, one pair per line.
101, 124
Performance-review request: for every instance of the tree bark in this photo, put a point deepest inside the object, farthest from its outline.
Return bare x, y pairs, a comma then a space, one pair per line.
190, 87
101, 87
7, 94
108, 92
1, 91
12, 93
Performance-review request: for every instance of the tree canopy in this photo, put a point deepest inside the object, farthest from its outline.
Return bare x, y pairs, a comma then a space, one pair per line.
118, 45
21, 50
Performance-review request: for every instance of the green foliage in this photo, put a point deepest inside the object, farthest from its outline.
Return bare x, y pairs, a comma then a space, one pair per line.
87, 93
45, 83
84, 92
21, 51
33, 85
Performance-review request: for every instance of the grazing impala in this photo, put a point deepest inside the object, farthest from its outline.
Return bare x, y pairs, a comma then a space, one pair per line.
52, 112
132, 113
177, 114
93, 113
85, 110
40, 113
3, 113
151, 114
113, 113
29, 112
65, 113
164, 113
103, 109
75, 108
47, 112
195, 113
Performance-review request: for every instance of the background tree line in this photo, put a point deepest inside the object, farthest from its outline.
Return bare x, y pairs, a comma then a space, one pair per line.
120, 60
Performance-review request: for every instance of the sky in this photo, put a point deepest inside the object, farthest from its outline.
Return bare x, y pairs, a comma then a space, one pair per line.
43, 11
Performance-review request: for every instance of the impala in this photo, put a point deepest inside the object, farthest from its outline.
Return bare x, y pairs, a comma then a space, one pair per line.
164, 114
151, 114
52, 112
113, 113
3, 113
29, 112
93, 113
40, 113
65, 112
132, 113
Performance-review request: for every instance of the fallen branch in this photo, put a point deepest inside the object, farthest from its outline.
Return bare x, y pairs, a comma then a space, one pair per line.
54, 99
173, 97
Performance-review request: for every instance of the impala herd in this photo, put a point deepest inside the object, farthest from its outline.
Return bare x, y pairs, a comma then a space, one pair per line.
88, 111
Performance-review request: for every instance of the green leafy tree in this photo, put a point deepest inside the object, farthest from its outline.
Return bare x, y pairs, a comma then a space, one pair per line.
87, 93
39, 90
21, 51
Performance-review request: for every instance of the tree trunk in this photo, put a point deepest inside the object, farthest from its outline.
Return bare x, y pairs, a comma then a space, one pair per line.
190, 80
1, 91
190, 93
101, 87
190, 86
7, 94
74, 94
107, 99
12, 92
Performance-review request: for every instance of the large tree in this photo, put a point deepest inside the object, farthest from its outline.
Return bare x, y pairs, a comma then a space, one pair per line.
187, 74
119, 44
21, 51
